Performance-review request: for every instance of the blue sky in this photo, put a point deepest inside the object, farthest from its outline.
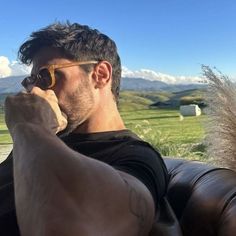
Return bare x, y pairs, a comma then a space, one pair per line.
172, 37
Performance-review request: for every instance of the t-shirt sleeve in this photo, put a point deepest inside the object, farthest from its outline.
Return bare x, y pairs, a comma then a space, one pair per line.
142, 161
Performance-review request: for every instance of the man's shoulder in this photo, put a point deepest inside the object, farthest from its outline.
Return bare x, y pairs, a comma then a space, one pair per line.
141, 160
133, 145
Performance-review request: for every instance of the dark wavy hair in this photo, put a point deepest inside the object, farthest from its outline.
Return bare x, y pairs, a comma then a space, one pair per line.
76, 42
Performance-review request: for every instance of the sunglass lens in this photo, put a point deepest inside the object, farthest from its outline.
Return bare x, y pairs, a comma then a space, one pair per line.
44, 79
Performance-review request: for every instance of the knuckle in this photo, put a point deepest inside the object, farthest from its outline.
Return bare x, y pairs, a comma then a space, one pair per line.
50, 93
36, 90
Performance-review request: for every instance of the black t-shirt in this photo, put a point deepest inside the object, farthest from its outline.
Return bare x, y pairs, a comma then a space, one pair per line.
123, 150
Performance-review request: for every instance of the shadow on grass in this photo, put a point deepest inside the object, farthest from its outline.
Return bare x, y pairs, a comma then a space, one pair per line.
152, 118
133, 110
5, 131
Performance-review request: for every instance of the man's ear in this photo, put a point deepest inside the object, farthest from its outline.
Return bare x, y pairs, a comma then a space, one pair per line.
102, 74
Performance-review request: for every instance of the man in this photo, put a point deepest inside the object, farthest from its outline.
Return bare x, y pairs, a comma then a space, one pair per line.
77, 169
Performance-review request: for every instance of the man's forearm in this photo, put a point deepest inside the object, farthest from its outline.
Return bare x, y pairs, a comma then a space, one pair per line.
35, 176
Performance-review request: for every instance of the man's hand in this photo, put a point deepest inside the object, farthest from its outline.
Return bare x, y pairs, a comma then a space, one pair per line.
38, 107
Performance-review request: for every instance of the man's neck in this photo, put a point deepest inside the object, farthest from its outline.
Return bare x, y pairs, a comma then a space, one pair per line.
104, 118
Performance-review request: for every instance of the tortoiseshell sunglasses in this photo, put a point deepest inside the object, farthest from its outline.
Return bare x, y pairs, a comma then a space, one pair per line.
45, 79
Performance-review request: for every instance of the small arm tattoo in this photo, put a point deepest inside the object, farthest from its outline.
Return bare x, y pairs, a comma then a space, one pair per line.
138, 207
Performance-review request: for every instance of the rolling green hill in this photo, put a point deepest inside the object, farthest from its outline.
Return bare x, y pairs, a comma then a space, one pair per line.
138, 100
131, 100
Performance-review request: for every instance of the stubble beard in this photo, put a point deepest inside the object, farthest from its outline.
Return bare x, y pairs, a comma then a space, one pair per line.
78, 106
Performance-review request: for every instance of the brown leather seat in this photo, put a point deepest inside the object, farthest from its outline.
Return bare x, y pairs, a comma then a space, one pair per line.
203, 197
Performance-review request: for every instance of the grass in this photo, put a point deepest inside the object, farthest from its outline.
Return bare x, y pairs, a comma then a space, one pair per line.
167, 122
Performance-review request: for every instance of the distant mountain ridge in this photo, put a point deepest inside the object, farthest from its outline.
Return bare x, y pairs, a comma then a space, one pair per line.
12, 84
140, 84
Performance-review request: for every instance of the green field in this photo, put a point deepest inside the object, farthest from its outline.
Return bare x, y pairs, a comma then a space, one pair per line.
167, 123
163, 128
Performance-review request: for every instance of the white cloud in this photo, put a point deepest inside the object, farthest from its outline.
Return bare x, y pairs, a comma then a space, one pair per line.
19, 69
5, 70
13, 68
152, 75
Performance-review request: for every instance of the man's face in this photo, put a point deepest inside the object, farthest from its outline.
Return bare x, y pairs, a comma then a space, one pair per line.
73, 87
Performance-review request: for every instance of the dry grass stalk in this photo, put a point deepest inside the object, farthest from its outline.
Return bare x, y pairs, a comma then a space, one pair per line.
221, 129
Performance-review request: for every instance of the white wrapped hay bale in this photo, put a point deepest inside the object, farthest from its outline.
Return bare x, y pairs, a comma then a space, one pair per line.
190, 110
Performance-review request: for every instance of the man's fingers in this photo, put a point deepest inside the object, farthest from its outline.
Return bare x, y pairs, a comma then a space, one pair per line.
62, 124
46, 94
51, 98
36, 90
